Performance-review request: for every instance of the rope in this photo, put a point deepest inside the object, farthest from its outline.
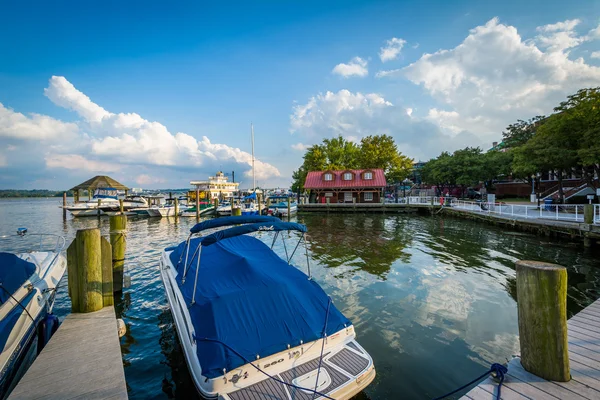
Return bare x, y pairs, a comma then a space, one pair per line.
498, 370
18, 302
260, 370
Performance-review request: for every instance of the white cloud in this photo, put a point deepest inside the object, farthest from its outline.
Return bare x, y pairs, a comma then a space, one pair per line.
595, 54
15, 125
594, 33
300, 146
495, 77
129, 138
3, 160
392, 49
567, 25
559, 36
356, 67
145, 179
80, 163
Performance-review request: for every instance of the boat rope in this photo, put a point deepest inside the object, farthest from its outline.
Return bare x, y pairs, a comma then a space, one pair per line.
323, 337
15, 299
263, 372
496, 370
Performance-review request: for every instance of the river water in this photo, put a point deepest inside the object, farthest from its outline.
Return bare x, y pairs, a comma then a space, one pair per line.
432, 298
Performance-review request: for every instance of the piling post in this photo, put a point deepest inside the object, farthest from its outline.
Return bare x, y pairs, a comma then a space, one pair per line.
64, 205
197, 203
84, 264
107, 272
268, 204
588, 214
118, 228
99, 204
121, 210
232, 203
176, 207
258, 199
288, 206
542, 309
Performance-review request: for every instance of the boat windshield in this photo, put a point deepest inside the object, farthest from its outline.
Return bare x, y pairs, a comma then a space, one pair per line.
105, 193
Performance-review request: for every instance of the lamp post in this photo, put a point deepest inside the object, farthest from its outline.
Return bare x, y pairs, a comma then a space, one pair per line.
404, 183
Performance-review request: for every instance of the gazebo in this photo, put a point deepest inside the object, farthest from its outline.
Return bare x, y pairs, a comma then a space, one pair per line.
99, 181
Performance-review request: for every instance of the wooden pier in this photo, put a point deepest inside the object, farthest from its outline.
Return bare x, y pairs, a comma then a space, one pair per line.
366, 207
584, 359
81, 361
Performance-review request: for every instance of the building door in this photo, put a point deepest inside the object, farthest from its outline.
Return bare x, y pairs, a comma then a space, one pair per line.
347, 197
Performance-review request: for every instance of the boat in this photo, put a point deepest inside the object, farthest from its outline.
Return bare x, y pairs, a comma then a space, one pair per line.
105, 200
205, 209
252, 325
29, 281
224, 209
279, 206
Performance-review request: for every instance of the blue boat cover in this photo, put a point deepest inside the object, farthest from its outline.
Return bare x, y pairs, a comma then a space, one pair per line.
227, 221
251, 196
252, 300
14, 272
272, 226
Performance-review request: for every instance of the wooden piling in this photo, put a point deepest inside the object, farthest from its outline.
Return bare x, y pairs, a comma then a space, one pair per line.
268, 204
542, 309
258, 199
232, 203
121, 210
107, 272
99, 204
588, 214
118, 228
176, 207
197, 203
289, 208
64, 205
84, 264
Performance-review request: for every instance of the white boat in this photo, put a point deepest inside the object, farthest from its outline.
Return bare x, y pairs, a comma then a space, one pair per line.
279, 206
104, 200
205, 209
253, 326
224, 209
28, 287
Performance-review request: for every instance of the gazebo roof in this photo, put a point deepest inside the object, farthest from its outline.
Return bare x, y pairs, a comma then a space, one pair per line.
100, 181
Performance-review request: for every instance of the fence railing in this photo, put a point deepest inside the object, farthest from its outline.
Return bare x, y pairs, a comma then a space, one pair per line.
596, 213
419, 200
562, 212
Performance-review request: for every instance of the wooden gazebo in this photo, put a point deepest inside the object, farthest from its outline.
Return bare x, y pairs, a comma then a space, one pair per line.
99, 181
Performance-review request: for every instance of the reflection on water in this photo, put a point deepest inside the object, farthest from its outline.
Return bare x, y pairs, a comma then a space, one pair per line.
432, 298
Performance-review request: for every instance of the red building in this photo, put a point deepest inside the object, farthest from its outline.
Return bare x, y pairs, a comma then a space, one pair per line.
353, 185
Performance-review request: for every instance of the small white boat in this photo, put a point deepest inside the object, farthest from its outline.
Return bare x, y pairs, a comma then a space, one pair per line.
29, 281
205, 209
279, 206
253, 326
105, 200
224, 209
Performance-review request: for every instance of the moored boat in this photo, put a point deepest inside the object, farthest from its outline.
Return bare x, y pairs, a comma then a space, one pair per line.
28, 283
279, 206
104, 201
254, 326
205, 209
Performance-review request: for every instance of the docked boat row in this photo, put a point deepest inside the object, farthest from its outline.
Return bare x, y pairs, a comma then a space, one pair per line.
251, 324
28, 283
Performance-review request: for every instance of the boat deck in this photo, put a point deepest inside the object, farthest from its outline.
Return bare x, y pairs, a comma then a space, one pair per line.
81, 361
584, 359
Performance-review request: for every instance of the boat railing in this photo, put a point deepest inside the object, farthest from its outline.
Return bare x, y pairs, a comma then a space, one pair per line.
47, 241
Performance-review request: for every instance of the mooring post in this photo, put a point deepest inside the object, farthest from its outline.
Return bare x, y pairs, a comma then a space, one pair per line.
289, 207
88, 280
99, 204
118, 228
258, 199
588, 214
176, 207
216, 203
64, 205
542, 309
268, 204
121, 210
197, 203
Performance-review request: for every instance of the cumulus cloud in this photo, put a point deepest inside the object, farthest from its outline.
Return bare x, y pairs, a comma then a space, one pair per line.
356, 115
392, 49
300, 146
595, 54
495, 77
356, 67
15, 125
102, 141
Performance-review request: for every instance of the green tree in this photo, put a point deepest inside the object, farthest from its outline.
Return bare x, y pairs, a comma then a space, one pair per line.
496, 165
437, 172
380, 151
520, 132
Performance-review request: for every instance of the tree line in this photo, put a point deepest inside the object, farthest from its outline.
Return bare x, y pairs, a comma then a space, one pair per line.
377, 151
5, 193
566, 142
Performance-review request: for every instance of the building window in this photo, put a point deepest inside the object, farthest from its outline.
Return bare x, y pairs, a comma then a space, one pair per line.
328, 177
368, 196
348, 176
368, 175
347, 197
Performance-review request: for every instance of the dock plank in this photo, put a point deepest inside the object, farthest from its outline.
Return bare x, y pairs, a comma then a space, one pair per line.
82, 361
584, 357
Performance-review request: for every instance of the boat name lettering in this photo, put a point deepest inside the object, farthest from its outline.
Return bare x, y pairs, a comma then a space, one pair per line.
273, 363
266, 228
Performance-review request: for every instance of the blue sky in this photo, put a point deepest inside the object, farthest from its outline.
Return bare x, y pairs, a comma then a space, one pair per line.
132, 90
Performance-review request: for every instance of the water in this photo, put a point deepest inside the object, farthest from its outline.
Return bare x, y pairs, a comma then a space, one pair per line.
432, 298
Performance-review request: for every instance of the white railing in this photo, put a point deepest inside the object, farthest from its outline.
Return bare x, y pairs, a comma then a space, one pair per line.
596, 213
419, 200
562, 212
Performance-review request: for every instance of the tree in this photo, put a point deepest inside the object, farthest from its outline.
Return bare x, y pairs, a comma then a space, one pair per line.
521, 132
437, 171
380, 151
496, 165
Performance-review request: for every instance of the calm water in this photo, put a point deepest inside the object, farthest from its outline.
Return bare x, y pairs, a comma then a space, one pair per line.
432, 298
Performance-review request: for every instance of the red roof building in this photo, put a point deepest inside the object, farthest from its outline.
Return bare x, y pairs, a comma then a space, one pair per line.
348, 186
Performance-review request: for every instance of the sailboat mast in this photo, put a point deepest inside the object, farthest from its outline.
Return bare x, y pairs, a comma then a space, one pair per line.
253, 174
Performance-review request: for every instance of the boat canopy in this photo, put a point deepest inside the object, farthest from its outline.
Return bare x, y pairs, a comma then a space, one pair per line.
252, 300
14, 272
251, 196
105, 193
227, 221
244, 229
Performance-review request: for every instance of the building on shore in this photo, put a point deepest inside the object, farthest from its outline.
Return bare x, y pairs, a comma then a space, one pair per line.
216, 187
347, 186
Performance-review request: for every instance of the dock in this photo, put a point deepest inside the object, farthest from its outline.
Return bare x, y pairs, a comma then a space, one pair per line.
368, 208
82, 361
584, 360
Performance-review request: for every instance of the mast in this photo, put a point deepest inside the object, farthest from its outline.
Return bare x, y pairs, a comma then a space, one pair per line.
253, 174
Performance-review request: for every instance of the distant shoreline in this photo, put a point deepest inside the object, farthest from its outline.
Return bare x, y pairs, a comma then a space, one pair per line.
23, 194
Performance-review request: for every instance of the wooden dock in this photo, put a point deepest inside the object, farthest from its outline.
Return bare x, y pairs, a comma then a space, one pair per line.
584, 359
367, 207
81, 361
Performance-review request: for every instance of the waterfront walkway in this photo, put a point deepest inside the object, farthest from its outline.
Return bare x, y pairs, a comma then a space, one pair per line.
584, 359
81, 361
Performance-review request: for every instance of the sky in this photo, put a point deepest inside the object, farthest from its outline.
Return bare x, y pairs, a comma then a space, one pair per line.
156, 94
